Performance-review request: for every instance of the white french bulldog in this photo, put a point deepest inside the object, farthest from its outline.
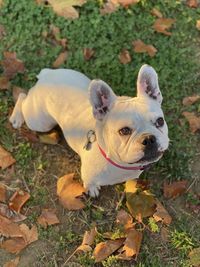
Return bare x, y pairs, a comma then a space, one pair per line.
116, 137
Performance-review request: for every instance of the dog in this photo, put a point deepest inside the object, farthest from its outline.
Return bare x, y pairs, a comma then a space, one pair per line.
117, 137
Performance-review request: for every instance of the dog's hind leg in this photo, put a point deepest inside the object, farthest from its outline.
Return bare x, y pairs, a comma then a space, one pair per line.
17, 118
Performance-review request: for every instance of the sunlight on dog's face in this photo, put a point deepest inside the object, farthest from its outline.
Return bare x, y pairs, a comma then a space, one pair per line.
135, 131
131, 130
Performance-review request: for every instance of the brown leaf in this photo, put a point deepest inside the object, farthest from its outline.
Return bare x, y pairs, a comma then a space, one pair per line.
161, 213
189, 100
105, 249
127, 3
9, 228
88, 240
51, 138
30, 235
140, 47
6, 158
12, 263
193, 120
68, 191
18, 199
14, 245
125, 219
198, 24
124, 56
162, 25
16, 91
12, 65
109, 7
2, 193
10, 214
4, 83
174, 189
155, 12
47, 217
62, 57
140, 203
192, 3
29, 135
88, 53
65, 8
194, 256
131, 245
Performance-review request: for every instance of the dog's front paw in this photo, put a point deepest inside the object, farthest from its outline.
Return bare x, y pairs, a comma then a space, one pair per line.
16, 119
93, 190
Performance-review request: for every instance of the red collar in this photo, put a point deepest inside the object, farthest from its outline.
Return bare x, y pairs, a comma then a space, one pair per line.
136, 168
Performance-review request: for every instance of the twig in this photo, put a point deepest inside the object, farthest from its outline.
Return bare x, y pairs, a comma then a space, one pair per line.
120, 201
64, 264
193, 182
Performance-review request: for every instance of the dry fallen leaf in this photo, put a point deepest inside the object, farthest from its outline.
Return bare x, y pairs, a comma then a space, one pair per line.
140, 203
65, 8
140, 47
69, 192
29, 135
198, 24
131, 245
12, 263
18, 199
16, 91
174, 189
109, 7
88, 53
47, 217
9, 228
15, 245
51, 138
192, 3
127, 3
6, 158
162, 25
124, 56
155, 12
13, 216
194, 256
189, 100
4, 83
12, 65
88, 240
161, 214
105, 249
193, 120
125, 219
62, 57
2, 193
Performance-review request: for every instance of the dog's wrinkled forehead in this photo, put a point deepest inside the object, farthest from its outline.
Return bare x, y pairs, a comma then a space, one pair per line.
134, 111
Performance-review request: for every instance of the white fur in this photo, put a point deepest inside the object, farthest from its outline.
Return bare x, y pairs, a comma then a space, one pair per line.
61, 97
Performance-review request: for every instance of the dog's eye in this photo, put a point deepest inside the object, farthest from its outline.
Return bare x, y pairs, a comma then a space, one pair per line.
125, 131
159, 122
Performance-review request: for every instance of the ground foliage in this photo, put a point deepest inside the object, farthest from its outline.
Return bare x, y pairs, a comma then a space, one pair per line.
110, 44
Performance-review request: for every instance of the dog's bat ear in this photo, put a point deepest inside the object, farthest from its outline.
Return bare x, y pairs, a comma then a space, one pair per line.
147, 84
101, 97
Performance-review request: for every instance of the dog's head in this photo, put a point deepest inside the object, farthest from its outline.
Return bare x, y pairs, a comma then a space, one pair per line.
131, 130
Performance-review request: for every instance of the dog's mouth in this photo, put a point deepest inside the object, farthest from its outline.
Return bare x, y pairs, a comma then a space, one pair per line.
149, 159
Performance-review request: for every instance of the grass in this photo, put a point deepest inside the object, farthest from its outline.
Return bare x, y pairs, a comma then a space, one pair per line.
177, 63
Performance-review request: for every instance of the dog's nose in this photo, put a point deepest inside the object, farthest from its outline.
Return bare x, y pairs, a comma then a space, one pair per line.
149, 141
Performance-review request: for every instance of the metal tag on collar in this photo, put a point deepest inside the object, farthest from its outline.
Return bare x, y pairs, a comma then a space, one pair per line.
91, 137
